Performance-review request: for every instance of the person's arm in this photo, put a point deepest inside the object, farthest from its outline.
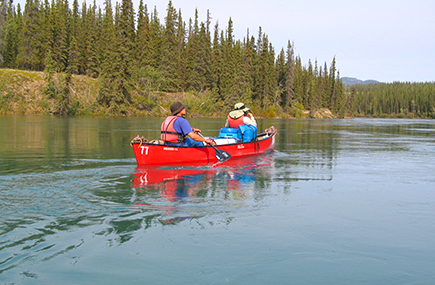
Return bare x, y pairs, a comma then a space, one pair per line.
249, 120
192, 132
194, 136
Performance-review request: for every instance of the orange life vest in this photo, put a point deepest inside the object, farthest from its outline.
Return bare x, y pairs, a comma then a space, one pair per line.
235, 123
168, 133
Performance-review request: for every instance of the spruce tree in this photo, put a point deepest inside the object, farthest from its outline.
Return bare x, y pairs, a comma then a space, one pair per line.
206, 43
74, 49
290, 76
126, 48
246, 72
3, 31
91, 47
148, 49
264, 87
194, 56
228, 64
204, 58
169, 50
59, 36
237, 89
181, 61
107, 93
332, 85
272, 96
281, 73
143, 53
12, 39
156, 31
216, 60
31, 53
298, 83
326, 88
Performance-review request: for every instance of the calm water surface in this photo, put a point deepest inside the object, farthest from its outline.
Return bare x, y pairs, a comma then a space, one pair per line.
337, 202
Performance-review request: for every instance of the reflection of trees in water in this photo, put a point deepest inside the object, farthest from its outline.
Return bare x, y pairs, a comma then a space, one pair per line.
313, 143
127, 226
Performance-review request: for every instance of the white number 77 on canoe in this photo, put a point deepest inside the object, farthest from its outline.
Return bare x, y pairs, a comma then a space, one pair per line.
144, 149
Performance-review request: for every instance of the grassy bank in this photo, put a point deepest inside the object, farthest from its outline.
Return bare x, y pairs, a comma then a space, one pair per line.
26, 92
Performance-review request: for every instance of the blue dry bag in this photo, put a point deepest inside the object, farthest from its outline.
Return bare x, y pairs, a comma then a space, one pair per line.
228, 133
247, 133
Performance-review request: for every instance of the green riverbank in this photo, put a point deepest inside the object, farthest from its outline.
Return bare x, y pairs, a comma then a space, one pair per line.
31, 92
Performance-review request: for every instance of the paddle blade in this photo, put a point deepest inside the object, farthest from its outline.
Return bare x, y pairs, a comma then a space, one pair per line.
222, 155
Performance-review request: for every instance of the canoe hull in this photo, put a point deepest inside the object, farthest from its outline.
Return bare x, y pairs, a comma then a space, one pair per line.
152, 154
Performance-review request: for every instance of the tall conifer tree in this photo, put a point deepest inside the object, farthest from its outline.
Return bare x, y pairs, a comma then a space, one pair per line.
92, 48
59, 34
181, 51
109, 96
281, 73
290, 75
155, 40
31, 52
216, 60
247, 69
74, 49
3, 31
126, 47
11, 38
193, 56
143, 36
228, 63
169, 50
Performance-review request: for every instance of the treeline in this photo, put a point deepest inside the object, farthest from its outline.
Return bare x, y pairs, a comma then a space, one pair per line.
395, 100
134, 57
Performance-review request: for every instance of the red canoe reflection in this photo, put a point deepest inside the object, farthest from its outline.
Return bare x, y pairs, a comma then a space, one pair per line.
166, 188
154, 174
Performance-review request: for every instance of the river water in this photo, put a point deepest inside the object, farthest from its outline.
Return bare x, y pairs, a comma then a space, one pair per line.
337, 202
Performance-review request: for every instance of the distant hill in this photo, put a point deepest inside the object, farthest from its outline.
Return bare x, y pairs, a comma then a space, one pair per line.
352, 81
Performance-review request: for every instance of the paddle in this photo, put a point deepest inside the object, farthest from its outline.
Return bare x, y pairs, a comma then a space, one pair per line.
221, 155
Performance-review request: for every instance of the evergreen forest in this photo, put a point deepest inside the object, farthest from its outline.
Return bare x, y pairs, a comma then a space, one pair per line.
393, 100
114, 60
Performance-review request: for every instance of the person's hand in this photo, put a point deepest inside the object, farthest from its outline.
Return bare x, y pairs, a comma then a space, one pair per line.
249, 115
195, 130
209, 141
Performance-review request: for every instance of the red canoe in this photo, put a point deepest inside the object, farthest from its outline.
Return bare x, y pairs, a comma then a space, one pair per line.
154, 154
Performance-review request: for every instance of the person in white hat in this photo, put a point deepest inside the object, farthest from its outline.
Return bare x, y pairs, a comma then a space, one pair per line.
241, 115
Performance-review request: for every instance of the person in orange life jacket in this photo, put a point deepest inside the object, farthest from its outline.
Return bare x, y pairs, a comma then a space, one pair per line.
176, 130
239, 116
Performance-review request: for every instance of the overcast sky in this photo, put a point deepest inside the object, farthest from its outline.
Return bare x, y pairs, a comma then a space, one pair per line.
385, 40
